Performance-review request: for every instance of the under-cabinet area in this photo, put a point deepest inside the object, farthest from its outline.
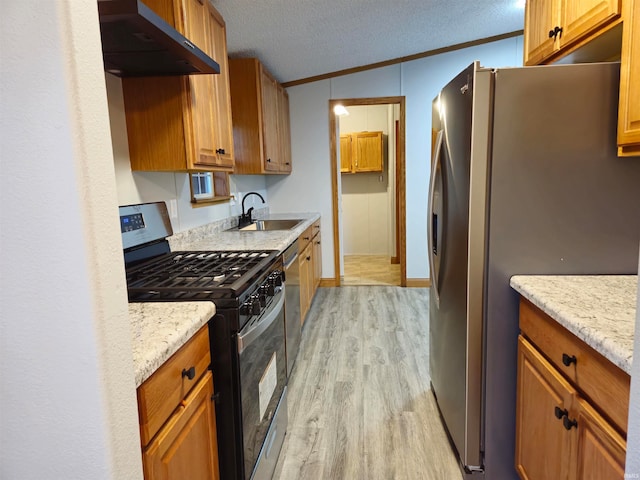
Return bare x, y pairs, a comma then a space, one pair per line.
573, 376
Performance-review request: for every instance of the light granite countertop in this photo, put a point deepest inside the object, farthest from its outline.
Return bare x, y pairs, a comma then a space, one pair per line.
598, 309
159, 329
211, 237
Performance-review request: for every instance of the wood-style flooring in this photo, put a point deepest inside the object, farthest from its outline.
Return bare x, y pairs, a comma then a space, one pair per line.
360, 406
370, 270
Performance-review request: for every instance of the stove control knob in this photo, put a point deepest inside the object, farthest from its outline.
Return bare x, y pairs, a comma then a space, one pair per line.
245, 308
277, 278
264, 290
263, 300
271, 289
255, 304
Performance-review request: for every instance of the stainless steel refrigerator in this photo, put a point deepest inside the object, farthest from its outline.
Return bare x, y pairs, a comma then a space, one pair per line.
525, 180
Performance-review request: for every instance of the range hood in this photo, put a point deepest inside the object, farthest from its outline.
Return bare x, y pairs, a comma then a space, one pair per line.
136, 42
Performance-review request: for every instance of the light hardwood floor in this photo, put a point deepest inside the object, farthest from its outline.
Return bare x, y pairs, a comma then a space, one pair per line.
370, 270
360, 406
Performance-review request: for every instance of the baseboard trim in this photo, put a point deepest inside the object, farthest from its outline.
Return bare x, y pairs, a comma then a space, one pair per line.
419, 282
327, 282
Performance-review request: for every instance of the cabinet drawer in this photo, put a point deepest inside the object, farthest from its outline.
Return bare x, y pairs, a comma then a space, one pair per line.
305, 238
604, 384
163, 391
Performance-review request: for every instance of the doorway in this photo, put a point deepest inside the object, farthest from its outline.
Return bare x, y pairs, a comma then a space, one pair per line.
396, 178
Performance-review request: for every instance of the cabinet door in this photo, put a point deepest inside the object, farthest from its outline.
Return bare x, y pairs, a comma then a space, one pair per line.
317, 261
629, 111
540, 17
601, 450
345, 153
543, 446
269, 90
578, 18
284, 130
306, 278
186, 447
368, 151
222, 97
200, 124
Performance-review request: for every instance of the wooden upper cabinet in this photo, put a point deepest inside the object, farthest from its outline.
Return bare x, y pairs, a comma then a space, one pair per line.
366, 153
261, 125
345, 153
539, 19
271, 139
284, 129
179, 123
554, 28
222, 92
579, 18
629, 110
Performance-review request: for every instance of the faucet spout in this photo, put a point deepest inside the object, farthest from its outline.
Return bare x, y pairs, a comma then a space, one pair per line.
245, 218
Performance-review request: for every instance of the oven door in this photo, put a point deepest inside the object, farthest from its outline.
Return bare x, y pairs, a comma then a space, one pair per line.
263, 377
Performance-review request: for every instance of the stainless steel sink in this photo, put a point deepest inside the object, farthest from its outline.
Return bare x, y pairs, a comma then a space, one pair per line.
266, 225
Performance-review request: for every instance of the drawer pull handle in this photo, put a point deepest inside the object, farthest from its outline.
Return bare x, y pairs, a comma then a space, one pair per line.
561, 413
568, 360
568, 423
190, 374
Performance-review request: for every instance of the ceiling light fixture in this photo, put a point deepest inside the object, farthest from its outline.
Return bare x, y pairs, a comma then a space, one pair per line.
340, 110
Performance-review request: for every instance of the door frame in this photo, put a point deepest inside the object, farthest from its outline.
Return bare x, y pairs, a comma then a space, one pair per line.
400, 181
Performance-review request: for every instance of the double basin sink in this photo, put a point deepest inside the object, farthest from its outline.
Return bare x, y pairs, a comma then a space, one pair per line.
267, 225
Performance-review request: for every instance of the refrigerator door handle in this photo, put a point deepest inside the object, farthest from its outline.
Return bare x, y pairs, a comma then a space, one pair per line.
433, 237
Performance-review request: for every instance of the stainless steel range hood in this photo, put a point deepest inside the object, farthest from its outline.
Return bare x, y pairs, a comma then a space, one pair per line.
136, 42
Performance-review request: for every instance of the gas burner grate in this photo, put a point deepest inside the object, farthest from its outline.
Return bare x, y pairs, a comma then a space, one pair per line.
195, 275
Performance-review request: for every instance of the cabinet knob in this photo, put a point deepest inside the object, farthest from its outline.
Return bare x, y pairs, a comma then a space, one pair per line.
269, 160
220, 151
555, 32
308, 259
568, 360
559, 412
568, 423
190, 374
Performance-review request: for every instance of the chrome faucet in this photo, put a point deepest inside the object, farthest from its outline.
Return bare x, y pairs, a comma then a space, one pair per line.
245, 218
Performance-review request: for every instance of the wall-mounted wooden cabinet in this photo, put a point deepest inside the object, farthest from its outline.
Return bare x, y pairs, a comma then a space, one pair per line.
629, 110
361, 152
261, 126
572, 405
553, 27
183, 123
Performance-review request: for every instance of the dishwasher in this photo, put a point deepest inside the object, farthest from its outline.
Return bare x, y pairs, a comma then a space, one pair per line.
293, 327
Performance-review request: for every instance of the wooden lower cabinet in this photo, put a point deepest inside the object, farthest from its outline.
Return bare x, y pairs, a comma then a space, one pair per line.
543, 446
177, 416
601, 450
561, 432
186, 446
310, 265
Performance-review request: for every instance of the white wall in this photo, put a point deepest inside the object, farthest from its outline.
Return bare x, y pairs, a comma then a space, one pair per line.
67, 392
419, 81
632, 466
367, 213
140, 187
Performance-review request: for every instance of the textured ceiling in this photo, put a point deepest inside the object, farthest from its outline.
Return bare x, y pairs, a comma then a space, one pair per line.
296, 39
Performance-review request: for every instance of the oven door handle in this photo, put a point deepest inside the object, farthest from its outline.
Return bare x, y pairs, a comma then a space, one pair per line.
247, 338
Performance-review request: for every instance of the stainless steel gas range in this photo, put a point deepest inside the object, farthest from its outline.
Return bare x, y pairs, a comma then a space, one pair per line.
247, 332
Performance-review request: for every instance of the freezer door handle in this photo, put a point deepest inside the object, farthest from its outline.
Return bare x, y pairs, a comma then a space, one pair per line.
433, 238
